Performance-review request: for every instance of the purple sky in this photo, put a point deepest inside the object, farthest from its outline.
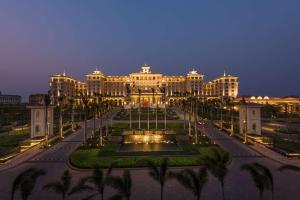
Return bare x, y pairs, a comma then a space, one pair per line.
259, 41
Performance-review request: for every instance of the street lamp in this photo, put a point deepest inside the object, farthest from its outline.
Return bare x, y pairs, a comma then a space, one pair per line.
245, 131
166, 103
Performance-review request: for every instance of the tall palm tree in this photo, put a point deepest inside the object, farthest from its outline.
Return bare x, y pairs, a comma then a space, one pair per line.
72, 106
216, 162
85, 107
95, 183
94, 107
139, 91
153, 100
60, 108
184, 108
159, 173
26, 181
122, 185
61, 187
196, 119
261, 176
47, 102
191, 180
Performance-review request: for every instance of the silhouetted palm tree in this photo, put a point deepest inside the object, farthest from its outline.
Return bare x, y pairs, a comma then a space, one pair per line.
216, 162
96, 182
26, 181
47, 102
192, 180
261, 176
159, 173
122, 185
60, 187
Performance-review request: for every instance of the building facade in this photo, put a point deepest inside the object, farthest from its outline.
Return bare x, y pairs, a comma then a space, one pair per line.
145, 87
10, 99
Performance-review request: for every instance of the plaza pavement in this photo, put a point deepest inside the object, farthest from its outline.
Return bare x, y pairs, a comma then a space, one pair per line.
238, 184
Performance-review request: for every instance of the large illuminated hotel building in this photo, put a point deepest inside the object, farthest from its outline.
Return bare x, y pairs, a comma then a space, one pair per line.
150, 87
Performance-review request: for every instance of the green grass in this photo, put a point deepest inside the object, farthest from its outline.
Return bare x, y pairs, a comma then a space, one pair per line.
287, 145
10, 143
88, 157
177, 127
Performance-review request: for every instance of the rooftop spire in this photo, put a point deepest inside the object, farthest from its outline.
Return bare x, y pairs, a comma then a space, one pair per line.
224, 72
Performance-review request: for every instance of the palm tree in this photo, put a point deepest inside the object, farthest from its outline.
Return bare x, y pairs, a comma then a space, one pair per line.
184, 108
85, 106
261, 176
196, 119
216, 162
72, 105
192, 180
122, 185
96, 182
153, 100
94, 107
159, 173
26, 181
60, 187
60, 108
139, 91
47, 102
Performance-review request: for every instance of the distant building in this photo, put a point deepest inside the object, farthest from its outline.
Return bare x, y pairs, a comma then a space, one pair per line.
151, 87
223, 86
10, 99
290, 104
36, 99
63, 85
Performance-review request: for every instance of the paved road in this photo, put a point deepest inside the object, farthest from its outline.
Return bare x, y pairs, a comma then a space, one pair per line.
238, 184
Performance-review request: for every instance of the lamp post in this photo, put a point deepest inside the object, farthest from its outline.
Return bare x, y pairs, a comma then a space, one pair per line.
156, 115
148, 124
130, 126
139, 108
166, 103
232, 123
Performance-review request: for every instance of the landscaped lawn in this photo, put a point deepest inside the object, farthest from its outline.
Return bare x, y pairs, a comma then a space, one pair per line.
287, 145
105, 156
10, 143
177, 127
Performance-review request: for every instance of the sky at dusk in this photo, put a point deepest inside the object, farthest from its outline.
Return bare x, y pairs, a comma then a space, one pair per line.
257, 40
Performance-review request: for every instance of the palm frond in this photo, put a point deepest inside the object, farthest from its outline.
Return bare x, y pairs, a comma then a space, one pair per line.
116, 197
89, 197
55, 186
289, 167
81, 186
19, 179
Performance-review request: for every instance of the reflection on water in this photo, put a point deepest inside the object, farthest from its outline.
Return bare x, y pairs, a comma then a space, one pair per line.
146, 137
149, 147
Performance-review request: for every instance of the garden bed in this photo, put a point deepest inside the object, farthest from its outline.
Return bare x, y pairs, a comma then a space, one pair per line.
85, 157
